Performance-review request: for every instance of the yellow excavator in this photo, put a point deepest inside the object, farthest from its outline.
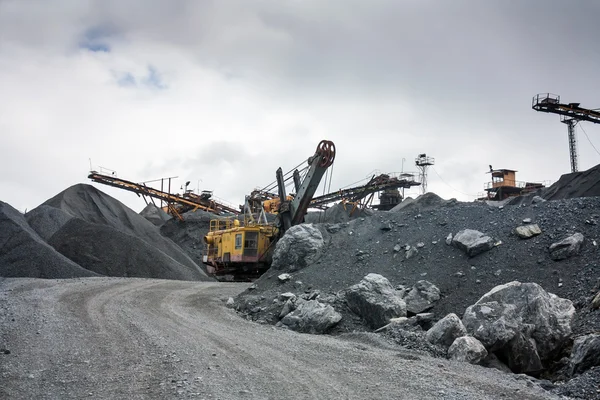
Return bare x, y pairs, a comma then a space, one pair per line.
241, 250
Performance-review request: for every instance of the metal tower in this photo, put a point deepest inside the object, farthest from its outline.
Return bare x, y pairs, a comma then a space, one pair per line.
570, 114
423, 162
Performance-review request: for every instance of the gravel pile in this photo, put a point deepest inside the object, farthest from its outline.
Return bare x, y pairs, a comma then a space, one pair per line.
569, 186
337, 213
90, 204
97, 234
189, 233
23, 253
424, 202
410, 245
155, 215
109, 252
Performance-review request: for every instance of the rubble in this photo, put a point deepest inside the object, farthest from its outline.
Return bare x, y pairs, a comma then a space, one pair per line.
585, 354
311, 317
472, 242
374, 299
421, 297
528, 231
567, 247
467, 349
298, 248
446, 331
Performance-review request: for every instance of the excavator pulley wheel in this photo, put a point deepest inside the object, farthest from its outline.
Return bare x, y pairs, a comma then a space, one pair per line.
326, 151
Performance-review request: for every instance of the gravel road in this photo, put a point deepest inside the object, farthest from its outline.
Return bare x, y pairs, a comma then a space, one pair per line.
117, 338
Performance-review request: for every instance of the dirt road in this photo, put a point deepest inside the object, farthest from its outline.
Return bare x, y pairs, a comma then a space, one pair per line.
103, 338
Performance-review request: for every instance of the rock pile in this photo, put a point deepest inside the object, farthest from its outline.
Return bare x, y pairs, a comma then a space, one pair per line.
83, 232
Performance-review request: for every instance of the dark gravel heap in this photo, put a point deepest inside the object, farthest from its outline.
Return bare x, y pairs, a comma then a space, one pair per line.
336, 213
366, 245
189, 233
90, 204
155, 215
99, 235
109, 252
23, 253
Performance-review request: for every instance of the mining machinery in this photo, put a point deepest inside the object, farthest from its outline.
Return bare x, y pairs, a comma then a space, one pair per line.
176, 204
570, 114
360, 196
241, 250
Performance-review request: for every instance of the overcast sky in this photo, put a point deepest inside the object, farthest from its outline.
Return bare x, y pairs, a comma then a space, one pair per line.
223, 92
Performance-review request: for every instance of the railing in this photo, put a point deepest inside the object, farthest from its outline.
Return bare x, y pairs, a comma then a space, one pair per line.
545, 98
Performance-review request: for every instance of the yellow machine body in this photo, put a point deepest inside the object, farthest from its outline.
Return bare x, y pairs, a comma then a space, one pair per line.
233, 249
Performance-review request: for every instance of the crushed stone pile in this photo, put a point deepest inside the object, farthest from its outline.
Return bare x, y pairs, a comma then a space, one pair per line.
569, 186
101, 236
189, 233
424, 202
23, 253
337, 213
109, 252
576, 184
155, 214
419, 244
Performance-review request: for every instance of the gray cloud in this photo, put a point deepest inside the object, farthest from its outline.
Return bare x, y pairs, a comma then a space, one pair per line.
227, 91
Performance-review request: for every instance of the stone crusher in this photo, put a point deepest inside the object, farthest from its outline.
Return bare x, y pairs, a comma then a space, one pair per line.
241, 250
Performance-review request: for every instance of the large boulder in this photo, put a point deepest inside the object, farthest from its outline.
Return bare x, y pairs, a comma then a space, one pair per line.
421, 297
494, 324
523, 322
567, 247
375, 300
446, 331
299, 247
472, 242
585, 353
528, 231
467, 349
311, 317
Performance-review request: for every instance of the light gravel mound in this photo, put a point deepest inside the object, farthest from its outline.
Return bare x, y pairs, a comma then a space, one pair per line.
23, 253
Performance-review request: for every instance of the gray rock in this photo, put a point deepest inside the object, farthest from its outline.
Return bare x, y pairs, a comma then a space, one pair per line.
523, 322
527, 221
494, 324
528, 231
411, 252
286, 296
375, 300
446, 330
311, 317
537, 199
449, 239
299, 247
230, 302
472, 242
596, 301
467, 349
566, 248
288, 307
585, 354
492, 361
522, 355
397, 248
421, 297
284, 277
